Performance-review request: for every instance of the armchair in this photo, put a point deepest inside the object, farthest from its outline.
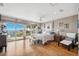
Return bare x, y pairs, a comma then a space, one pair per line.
70, 40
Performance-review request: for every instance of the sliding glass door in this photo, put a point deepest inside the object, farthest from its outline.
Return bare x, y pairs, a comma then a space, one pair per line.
18, 31
14, 30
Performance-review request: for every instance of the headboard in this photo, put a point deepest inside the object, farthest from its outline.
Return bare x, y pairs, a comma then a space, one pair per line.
71, 35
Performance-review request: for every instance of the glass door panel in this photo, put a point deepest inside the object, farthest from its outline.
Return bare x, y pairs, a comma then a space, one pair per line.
10, 30
19, 31
14, 30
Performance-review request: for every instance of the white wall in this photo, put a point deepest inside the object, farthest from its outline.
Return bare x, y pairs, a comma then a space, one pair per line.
78, 28
71, 20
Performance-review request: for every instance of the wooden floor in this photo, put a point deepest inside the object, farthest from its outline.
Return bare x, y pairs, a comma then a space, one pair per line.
24, 48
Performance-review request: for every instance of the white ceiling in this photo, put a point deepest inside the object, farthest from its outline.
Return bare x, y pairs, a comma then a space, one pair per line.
33, 11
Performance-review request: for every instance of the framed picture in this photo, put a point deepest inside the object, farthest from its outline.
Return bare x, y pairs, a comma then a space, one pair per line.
67, 26
48, 27
60, 24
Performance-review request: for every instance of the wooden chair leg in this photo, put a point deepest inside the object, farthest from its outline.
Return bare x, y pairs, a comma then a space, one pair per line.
69, 48
58, 43
1, 49
72, 46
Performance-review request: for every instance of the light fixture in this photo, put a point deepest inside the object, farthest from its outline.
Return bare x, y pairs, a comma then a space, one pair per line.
1, 4
40, 19
61, 10
53, 4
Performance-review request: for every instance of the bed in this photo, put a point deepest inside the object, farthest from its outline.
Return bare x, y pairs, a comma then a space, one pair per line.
44, 37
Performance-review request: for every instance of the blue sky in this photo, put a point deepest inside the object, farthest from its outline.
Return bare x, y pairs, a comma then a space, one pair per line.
12, 26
